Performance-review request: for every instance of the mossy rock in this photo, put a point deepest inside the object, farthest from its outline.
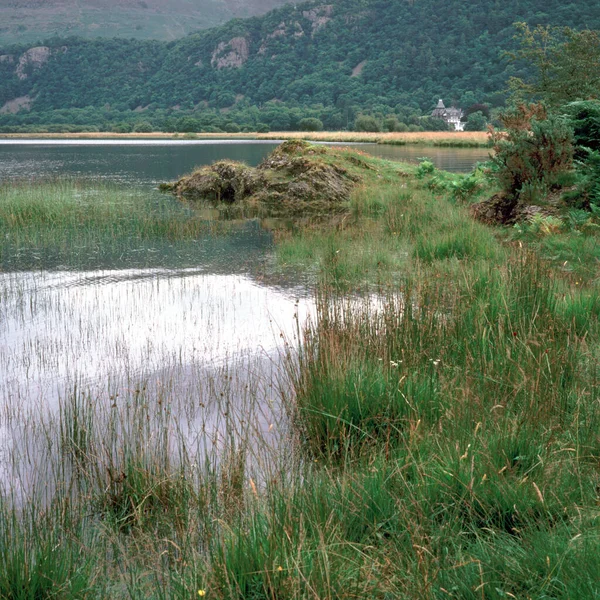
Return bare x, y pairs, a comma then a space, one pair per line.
222, 182
296, 178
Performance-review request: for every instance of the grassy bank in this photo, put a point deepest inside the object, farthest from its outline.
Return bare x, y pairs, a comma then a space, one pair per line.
439, 434
459, 139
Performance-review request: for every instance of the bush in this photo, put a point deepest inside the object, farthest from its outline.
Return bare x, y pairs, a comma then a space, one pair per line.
310, 124
188, 125
476, 122
535, 153
391, 124
426, 167
366, 123
122, 128
584, 117
231, 127
143, 127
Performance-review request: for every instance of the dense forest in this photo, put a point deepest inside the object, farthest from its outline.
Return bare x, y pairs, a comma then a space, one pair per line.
354, 63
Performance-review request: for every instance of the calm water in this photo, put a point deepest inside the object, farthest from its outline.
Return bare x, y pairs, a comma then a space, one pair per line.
125, 161
200, 325
154, 161
458, 160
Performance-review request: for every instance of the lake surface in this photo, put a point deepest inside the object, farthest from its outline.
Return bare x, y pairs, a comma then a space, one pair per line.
200, 326
155, 161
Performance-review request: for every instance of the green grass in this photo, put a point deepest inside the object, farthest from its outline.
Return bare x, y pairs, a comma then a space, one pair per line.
93, 223
441, 437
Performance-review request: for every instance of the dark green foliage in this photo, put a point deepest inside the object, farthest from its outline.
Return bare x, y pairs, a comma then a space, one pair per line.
476, 122
143, 127
366, 123
533, 156
587, 192
409, 55
310, 124
566, 64
584, 118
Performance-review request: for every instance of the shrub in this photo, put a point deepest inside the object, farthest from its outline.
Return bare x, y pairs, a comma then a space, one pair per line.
426, 167
476, 122
391, 124
143, 127
310, 124
231, 127
584, 117
122, 128
535, 153
366, 123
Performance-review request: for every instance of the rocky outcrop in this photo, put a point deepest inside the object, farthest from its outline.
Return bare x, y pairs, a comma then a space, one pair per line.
290, 29
318, 16
14, 106
279, 31
7, 58
232, 54
34, 57
358, 69
295, 179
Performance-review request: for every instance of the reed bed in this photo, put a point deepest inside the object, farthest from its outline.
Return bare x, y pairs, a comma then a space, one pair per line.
473, 139
93, 222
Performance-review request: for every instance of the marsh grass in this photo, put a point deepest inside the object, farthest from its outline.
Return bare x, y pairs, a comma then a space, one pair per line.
439, 437
431, 138
62, 220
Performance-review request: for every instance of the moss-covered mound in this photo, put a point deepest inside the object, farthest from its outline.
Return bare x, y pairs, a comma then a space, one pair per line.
296, 178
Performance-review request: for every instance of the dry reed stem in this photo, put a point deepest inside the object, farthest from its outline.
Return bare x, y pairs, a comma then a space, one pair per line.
423, 137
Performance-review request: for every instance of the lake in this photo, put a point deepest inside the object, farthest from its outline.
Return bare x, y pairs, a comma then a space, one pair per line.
153, 161
197, 326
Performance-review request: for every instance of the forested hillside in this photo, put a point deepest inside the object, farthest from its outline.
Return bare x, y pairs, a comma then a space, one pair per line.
326, 61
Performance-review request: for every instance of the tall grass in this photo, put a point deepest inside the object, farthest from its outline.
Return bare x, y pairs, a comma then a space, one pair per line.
70, 222
473, 139
437, 437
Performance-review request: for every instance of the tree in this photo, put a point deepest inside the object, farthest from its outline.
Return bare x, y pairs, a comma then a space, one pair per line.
310, 124
563, 64
143, 127
476, 122
366, 123
531, 157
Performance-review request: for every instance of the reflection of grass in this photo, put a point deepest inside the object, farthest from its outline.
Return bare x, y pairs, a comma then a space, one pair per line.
67, 209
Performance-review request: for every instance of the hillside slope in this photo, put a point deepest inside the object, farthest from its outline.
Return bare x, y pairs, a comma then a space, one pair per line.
34, 20
343, 57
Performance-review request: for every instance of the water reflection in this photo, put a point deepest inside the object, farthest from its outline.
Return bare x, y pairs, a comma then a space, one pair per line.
62, 327
461, 160
202, 350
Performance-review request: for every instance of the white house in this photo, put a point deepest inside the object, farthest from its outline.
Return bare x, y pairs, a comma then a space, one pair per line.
451, 115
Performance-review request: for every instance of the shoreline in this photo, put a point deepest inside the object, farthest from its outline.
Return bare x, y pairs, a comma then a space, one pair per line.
459, 139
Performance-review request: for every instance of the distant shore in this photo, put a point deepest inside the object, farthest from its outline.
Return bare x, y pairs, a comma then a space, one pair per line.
472, 139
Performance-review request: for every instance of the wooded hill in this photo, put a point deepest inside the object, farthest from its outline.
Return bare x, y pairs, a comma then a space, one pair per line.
330, 61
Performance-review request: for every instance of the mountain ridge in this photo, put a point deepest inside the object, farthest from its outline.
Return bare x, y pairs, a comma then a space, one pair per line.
34, 20
330, 59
